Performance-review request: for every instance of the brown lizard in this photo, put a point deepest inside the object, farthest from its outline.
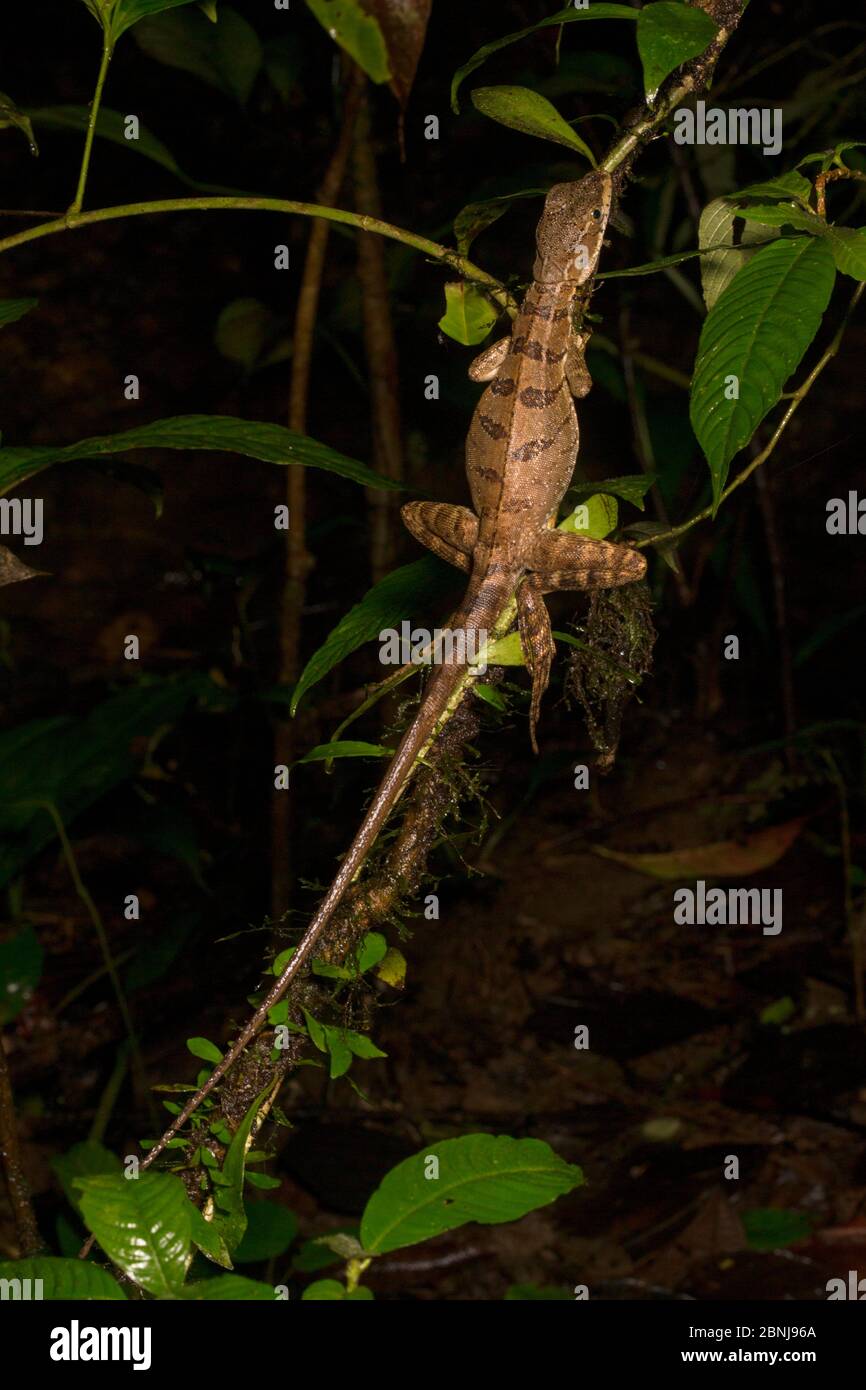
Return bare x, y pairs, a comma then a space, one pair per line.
520, 455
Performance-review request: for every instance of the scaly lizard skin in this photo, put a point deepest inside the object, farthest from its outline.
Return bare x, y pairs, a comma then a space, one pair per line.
520, 456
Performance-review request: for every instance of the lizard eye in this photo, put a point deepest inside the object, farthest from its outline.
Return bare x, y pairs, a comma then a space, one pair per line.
596, 212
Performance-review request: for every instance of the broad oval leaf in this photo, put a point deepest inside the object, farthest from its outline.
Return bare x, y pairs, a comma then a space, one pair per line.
227, 55
569, 15
481, 1177
72, 1279
668, 34
229, 1286
384, 606
271, 1228
469, 314
254, 438
11, 310
848, 245
752, 340
529, 112
205, 1049
143, 1225
84, 1160
129, 12
596, 517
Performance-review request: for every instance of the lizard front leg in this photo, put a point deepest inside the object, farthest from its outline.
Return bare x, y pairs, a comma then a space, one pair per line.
576, 371
450, 532
536, 640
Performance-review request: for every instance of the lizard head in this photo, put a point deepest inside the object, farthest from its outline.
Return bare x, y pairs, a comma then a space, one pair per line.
571, 230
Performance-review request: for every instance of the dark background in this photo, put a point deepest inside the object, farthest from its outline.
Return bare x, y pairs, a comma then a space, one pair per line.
681, 1071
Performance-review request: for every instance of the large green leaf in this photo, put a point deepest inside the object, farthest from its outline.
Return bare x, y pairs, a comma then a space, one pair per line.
529, 112
254, 438
668, 34
229, 1286
385, 605
847, 244
566, 16
271, 1228
62, 1280
129, 12
143, 1225
72, 762
752, 340
87, 1159
481, 1177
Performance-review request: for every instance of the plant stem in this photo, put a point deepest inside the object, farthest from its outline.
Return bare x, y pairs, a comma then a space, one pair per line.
26, 1229
91, 124
797, 397
72, 220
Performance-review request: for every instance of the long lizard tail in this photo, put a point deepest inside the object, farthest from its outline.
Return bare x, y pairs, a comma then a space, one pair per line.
413, 743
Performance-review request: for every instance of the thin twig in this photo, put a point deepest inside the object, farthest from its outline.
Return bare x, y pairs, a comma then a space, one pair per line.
91, 124
26, 1229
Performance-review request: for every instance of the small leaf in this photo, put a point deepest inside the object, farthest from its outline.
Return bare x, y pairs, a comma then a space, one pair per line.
779, 1011
230, 1218
475, 218
232, 1288
242, 331
392, 970
203, 1048
61, 1280
331, 1291
596, 517
208, 1239
531, 113
316, 1032
569, 15
721, 859
756, 334
490, 695
469, 314
481, 1177
345, 748
779, 189
373, 949
668, 34
12, 116
11, 310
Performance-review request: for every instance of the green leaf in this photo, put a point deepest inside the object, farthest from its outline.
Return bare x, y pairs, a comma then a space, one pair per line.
475, 218
469, 313
62, 1280
782, 188
12, 116
253, 438
772, 1228
757, 331
227, 55
722, 263
344, 748
230, 1218
481, 1177
316, 1032
633, 487
232, 1287
201, 1047
779, 1011
668, 34
271, 1228
529, 112
11, 310
111, 125
339, 1052
505, 651
565, 16
143, 1225
357, 32
72, 762
87, 1159
262, 1181
596, 517
360, 1044
20, 971
384, 606
490, 695
373, 948
129, 12
208, 1239
242, 330
393, 968
331, 1291
848, 245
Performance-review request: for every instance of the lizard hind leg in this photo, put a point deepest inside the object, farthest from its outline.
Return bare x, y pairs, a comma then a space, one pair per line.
450, 532
561, 560
536, 639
